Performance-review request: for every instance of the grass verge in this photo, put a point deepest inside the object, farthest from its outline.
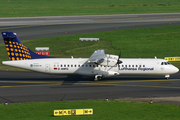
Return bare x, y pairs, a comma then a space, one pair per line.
133, 43
103, 110
25, 8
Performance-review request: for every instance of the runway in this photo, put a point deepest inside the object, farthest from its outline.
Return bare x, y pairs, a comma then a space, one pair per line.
41, 27
17, 87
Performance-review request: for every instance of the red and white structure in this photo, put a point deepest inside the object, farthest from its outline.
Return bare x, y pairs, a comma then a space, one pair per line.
42, 50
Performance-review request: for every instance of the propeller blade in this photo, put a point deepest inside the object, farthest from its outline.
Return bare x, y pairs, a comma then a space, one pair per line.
120, 54
119, 61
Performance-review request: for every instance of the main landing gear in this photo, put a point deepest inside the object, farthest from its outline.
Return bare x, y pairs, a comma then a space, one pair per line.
97, 77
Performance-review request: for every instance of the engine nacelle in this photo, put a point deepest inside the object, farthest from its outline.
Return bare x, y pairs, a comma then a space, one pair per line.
109, 62
111, 73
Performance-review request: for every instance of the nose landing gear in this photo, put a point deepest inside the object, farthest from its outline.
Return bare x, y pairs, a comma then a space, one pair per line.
167, 76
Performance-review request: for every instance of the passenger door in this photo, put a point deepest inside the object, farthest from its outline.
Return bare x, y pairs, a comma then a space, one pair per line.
47, 68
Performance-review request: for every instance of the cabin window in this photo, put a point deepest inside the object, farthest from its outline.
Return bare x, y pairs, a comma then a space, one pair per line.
78, 65
132, 65
126, 66
64, 65
136, 65
67, 65
82, 65
122, 65
74, 65
139, 65
71, 65
89, 65
143, 65
93, 65
129, 65
61, 65
86, 65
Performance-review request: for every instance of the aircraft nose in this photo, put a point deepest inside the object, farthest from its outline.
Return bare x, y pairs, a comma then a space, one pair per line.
176, 69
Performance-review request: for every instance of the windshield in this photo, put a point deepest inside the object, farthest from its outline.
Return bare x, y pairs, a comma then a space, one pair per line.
165, 63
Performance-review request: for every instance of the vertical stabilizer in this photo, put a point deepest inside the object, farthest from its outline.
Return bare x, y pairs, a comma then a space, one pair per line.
16, 50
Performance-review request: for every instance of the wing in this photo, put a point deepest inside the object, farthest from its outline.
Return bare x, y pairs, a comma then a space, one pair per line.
97, 57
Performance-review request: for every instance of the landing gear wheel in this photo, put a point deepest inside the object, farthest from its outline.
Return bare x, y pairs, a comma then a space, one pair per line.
167, 76
97, 77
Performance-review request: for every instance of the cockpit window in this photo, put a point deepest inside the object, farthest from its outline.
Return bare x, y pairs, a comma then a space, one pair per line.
165, 63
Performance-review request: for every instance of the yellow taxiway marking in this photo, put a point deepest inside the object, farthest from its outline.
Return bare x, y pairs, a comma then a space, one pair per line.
133, 85
129, 81
115, 83
110, 83
28, 85
37, 83
30, 81
151, 86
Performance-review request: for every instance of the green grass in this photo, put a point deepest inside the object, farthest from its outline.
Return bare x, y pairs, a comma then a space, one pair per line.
133, 43
103, 110
25, 8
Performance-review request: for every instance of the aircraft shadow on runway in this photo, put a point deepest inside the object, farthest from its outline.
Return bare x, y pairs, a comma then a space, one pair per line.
71, 79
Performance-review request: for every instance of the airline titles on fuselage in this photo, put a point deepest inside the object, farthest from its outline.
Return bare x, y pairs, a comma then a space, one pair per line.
142, 69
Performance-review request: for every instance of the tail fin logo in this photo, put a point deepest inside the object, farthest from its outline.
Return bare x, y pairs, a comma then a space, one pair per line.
16, 50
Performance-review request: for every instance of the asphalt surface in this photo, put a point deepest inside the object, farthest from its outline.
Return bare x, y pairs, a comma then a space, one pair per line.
16, 87
41, 27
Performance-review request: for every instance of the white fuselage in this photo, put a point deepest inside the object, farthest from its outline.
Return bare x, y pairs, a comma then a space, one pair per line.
80, 66
98, 65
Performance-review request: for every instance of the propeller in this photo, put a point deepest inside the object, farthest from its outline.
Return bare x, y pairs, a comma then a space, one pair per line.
107, 64
119, 61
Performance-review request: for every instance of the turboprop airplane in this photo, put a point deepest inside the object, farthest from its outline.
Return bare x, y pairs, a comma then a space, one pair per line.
99, 64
